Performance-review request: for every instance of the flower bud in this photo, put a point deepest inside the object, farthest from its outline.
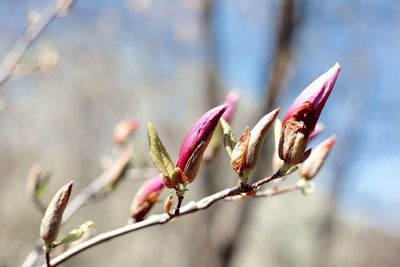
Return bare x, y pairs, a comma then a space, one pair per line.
146, 197
35, 178
168, 203
247, 150
257, 136
52, 218
317, 158
319, 128
217, 137
300, 120
196, 141
123, 130
232, 100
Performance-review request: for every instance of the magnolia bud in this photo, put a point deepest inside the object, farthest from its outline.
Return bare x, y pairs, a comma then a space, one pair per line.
123, 130
168, 203
196, 141
246, 152
300, 120
146, 197
52, 218
317, 158
295, 133
257, 136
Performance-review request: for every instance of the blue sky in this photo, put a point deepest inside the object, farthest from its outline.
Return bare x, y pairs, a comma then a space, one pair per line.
362, 35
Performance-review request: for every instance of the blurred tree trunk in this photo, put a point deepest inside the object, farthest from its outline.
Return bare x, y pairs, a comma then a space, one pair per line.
218, 242
287, 25
347, 148
203, 253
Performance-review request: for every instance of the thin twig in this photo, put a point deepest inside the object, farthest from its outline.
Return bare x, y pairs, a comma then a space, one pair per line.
26, 39
179, 204
265, 194
191, 207
47, 253
98, 186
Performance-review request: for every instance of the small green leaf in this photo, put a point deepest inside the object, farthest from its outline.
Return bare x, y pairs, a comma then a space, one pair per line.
229, 137
157, 152
216, 138
74, 235
288, 169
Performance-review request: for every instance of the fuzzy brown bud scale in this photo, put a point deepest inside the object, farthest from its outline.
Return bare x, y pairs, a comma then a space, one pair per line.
53, 217
295, 134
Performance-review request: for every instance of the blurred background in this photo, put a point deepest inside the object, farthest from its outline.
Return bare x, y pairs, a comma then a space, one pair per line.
98, 62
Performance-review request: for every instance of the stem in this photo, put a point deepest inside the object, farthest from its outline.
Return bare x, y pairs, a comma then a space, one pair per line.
163, 218
47, 253
179, 204
100, 184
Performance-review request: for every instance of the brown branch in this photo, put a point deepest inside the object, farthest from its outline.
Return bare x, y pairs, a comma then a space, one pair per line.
47, 253
26, 39
191, 207
267, 193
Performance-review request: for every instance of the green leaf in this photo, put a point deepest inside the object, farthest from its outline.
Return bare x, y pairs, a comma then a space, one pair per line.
74, 235
216, 138
229, 137
157, 152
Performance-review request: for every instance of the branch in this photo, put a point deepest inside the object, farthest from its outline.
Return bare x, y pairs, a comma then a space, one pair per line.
191, 207
31, 33
99, 186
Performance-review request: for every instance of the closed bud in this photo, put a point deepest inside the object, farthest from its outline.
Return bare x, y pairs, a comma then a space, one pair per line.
196, 141
35, 178
317, 158
319, 128
168, 203
232, 100
257, 136
217, 137
118, 169
294, 139
247, 150
300, 120
52, 218
48, 59
123, 130
146, 197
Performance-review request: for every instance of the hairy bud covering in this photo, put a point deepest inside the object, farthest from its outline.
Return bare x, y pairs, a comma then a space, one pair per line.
53, 217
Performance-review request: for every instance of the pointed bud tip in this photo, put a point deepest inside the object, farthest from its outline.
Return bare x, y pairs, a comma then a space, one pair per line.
233, 95
331, 140
336, 66
334, 71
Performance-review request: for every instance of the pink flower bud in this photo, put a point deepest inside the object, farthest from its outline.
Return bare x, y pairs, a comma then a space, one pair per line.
317, 158
232, 100
196, 141
123, 130
52, 218
300, 120
146, 197
319, 128
215, 144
